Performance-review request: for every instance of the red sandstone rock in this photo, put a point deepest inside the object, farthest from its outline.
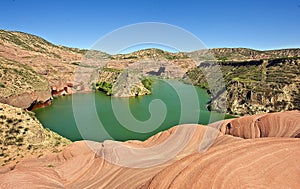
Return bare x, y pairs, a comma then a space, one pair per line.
268, 158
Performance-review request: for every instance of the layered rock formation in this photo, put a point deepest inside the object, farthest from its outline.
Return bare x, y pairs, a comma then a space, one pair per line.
256, 86
193, 156
274, 86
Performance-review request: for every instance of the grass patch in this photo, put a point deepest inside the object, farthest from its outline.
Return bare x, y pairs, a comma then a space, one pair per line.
111, 69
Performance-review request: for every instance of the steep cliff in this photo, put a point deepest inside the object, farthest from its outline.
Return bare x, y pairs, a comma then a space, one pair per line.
257, 85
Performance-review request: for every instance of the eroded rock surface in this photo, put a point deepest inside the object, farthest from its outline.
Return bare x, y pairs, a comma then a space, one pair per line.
270, 161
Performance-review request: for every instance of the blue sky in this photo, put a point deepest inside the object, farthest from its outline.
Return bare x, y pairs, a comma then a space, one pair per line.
259, 24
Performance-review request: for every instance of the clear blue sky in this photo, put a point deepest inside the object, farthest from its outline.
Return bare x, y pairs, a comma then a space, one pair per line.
259, 24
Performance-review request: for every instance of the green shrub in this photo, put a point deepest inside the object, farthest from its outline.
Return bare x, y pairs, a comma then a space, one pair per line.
19, 139
147, 83
50, 165
104, 87
9, 120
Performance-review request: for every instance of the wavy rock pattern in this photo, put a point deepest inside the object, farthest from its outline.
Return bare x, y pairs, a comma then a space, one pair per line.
270, 159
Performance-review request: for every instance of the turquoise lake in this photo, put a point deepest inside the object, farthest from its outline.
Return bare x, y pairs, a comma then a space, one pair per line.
98, 117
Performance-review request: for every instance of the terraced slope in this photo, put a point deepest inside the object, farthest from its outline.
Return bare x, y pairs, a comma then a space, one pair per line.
257, 85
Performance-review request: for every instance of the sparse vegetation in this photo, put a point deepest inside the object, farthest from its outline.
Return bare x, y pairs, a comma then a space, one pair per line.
253, 83
222, 58
111, 70
21, 134
17, 78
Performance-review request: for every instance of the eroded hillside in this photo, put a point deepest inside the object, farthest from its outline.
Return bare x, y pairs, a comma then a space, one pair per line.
256, 81
22, 135
56, 63
21, 86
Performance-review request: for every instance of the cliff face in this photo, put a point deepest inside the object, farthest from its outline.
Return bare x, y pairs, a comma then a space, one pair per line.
254, 98
270, 153
244, 54
272, 86
256, 85
23, 136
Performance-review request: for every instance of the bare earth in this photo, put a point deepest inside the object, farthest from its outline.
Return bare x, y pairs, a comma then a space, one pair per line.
261, 151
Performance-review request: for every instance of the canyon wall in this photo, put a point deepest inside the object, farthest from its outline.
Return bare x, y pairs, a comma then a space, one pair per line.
256, 86
33, 70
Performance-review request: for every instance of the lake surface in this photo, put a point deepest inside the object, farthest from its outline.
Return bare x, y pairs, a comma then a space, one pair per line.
95, 116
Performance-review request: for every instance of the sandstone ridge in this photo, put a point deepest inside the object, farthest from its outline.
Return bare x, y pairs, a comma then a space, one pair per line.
269, 159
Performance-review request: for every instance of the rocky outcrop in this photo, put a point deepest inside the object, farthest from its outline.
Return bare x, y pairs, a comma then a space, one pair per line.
255, 98
253, 87
262, 125
23, 136
274, 86
129, 84
197, 157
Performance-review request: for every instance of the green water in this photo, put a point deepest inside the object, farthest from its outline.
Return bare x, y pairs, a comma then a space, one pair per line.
92, 116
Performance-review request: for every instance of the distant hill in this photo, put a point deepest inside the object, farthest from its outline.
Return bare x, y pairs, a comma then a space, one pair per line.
256, 81
51, 61
244, 54
33, 57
